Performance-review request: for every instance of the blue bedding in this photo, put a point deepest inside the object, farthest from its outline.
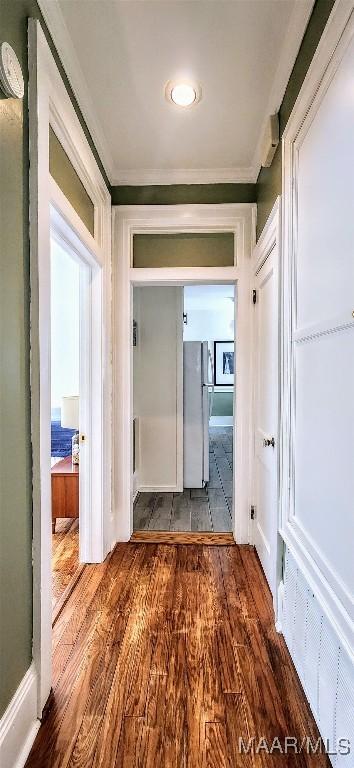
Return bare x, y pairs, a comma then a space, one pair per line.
60, 437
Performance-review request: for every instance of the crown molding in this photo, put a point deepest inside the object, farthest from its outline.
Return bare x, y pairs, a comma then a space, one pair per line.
298, 22
156, 176
55, 22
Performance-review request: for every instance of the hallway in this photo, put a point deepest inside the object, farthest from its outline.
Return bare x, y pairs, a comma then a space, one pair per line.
165, 656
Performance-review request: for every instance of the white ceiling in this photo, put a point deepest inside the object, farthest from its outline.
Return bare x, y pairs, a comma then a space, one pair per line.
119, 55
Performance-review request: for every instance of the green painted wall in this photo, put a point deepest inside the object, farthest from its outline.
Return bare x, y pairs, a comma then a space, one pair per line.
15, 451
269, 183
223, 403
15, 458
70, 183
174, 194
185, 250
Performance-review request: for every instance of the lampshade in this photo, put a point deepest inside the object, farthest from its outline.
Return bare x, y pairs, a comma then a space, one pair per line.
70, 412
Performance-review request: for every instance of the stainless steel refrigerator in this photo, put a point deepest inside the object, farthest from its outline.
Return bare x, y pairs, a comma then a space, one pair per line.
197, 395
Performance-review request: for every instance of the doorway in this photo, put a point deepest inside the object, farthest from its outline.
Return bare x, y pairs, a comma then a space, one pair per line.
128, 221
53, 210
65, 420
183, 408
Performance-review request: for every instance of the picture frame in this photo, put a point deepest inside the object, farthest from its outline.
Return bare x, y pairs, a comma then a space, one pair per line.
224, 363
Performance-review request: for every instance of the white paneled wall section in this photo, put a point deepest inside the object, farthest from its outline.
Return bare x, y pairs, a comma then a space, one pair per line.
317, 478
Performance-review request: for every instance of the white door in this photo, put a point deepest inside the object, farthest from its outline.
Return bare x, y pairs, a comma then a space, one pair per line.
266, 416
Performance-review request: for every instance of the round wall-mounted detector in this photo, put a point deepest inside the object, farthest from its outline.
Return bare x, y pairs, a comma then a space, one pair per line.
11, 77
183, 94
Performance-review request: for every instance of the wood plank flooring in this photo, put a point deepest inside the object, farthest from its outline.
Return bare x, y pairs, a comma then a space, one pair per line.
196, 509
65, 560
163, 657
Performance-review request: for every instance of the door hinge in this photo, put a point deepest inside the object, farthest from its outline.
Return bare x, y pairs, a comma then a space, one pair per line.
253, 512
254, 296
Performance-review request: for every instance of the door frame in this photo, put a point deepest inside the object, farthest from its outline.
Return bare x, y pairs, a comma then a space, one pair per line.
50, 105
173, 219
268, 241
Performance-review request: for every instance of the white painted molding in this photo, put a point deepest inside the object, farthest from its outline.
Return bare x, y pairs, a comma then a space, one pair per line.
19, 724
292, 40
165, 176
320, 68
55, 22
237, 218
271, 235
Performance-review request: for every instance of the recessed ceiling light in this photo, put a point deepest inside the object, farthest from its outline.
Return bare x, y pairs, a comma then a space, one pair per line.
182, 94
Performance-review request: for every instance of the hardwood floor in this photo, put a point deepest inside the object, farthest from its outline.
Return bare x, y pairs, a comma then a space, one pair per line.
163, 657
65, 561
196, 509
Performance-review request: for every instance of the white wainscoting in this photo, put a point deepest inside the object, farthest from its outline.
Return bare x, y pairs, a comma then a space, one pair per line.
323, 661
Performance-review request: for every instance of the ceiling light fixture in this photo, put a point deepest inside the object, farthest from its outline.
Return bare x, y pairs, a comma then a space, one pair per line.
183, 94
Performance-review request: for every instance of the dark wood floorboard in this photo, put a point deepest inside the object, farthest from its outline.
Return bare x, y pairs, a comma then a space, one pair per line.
163, 657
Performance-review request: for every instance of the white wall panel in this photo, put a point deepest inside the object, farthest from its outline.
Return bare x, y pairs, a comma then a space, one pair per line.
325, 263
317, 439
324, 440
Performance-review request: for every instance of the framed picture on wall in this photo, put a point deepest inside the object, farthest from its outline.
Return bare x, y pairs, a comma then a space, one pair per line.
224, 363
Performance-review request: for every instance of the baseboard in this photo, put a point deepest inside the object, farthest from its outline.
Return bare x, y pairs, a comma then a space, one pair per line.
19, 723
221, 421
158, 489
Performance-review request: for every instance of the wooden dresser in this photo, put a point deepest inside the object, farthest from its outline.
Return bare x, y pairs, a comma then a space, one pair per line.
65, 490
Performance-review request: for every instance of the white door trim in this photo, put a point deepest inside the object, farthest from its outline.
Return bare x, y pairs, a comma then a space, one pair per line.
128, 220
332, 594
269, 240
49, 104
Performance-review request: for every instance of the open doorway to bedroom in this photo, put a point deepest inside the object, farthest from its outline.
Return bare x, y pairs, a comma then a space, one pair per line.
183, 407
68, 278
65, 393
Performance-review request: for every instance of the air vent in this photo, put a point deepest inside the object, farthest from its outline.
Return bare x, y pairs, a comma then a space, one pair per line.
323, 665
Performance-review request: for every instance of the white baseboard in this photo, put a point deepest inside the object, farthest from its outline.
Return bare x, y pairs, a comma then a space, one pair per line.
158, 489
221, 421
19, 723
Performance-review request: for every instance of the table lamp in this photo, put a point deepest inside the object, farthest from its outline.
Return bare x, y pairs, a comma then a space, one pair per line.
70, 420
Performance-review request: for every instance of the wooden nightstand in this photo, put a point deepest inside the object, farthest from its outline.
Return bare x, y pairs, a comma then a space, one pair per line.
65, 490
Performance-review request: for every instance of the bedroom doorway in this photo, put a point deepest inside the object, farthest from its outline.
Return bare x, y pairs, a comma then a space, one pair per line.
65, 337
